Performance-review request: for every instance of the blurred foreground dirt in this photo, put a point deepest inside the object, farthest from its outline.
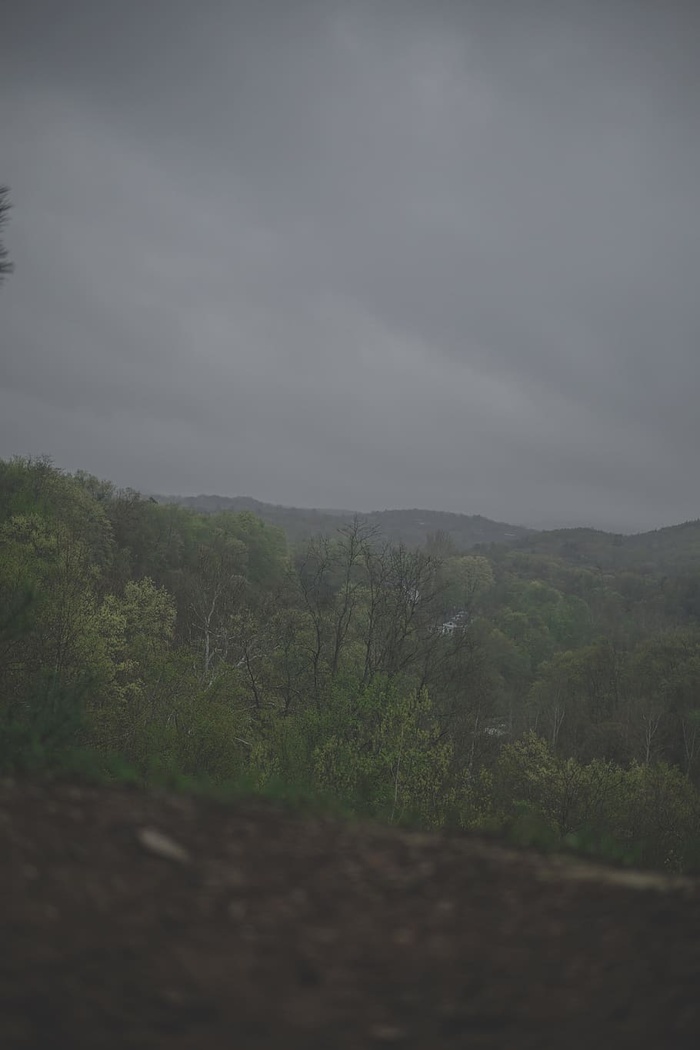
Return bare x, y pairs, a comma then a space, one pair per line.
141, 920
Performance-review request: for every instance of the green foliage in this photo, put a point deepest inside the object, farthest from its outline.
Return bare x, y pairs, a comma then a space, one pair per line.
6, 266
149, 643
468, 579
380, 751
671, 550
646, 815
568, 796
375, 749
39, 728
412, 528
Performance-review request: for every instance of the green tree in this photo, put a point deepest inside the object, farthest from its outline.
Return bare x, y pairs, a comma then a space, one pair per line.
467, 579
6, 267
382, 751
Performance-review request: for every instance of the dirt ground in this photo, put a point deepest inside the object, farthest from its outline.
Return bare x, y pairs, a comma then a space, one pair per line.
142, 920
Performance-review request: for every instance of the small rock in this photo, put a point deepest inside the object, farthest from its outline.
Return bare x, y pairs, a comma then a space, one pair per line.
386, 1033
325, 935
237, 910
154, 841
445, 907
172, 997
228, 877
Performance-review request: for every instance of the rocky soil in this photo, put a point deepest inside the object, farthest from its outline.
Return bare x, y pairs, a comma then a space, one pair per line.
131, 919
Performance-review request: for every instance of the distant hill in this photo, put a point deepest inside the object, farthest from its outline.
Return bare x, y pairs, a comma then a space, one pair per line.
670, 550
411, 527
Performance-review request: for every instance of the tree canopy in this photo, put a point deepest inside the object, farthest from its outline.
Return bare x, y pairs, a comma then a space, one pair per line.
498, 689
6, 266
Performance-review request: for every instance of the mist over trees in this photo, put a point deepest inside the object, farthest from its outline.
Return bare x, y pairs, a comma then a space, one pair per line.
500, 688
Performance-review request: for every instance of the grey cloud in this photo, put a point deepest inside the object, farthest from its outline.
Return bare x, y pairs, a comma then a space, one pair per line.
359, 255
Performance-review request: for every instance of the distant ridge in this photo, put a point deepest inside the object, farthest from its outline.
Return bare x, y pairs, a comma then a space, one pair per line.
673, 550
411, 527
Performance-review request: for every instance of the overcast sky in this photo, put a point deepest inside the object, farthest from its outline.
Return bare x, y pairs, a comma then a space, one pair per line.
359, 254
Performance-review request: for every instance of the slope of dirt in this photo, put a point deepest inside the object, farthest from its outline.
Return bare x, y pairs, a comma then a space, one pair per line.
137, 920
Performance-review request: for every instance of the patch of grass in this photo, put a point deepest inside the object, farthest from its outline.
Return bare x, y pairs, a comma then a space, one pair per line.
603, 846
112, 770
37, 732
527, 829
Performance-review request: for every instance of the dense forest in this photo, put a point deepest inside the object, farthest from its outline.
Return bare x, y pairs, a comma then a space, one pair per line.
674, 549
546, 690
411, 527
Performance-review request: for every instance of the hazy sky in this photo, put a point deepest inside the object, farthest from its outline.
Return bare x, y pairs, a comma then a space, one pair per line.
359, 254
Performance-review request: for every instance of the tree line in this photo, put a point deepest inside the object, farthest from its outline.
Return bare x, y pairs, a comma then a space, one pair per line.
498, 690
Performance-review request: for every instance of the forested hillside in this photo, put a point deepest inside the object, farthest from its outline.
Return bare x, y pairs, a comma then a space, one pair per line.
412, 527
507, 689
673, 550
